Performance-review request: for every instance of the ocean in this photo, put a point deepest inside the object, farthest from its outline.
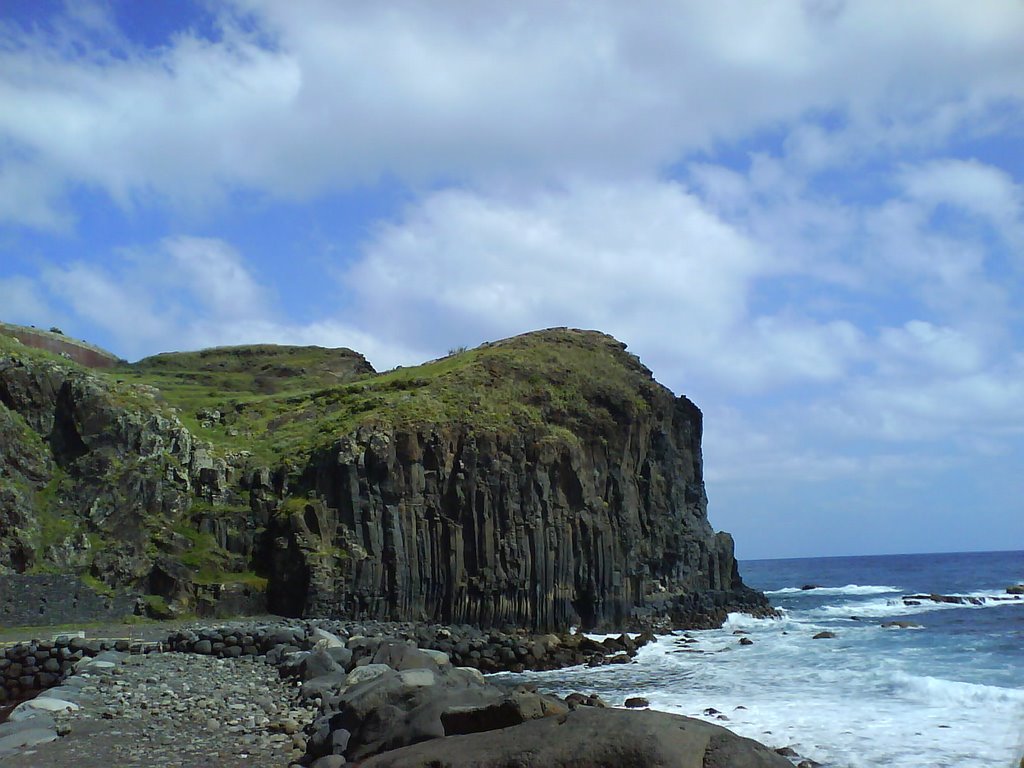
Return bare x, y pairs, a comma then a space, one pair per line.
949, 692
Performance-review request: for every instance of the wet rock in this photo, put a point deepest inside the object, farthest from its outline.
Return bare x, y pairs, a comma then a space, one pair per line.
636, 702
948, 599
825, 635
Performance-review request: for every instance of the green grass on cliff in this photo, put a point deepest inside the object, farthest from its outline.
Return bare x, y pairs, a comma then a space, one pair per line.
282, 404
279, 402
561, 383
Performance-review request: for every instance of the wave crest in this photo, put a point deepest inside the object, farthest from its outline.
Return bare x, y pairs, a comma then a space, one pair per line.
849, 589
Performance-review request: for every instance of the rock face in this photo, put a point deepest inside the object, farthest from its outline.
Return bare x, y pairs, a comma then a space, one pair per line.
497, 529
542, 481
79, 457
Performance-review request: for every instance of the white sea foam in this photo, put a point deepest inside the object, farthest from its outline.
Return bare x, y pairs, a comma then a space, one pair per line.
898, 606
849, 589
936, 690
834, 704
838, 702
744, 621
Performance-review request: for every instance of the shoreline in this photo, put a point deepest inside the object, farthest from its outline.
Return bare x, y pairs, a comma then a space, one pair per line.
320, 672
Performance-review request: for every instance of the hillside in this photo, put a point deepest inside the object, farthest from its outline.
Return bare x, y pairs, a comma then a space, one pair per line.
544, 479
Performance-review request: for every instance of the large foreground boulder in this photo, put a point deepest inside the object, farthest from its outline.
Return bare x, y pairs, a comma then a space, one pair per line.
590, 738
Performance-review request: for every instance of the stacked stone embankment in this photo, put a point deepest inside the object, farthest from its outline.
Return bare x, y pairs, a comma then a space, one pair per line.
512, 650
26, 668
30, 667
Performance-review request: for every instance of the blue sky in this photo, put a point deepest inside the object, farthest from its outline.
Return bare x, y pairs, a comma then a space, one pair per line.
806, 216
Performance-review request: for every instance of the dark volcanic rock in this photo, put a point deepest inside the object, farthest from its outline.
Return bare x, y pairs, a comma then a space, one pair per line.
583, 504
590, 738
455, 525
950, 599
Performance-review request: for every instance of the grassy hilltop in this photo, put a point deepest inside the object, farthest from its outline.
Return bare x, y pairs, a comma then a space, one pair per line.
279, 401
94, 479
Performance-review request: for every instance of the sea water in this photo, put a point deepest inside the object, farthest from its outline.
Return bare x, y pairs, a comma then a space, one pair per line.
949, 692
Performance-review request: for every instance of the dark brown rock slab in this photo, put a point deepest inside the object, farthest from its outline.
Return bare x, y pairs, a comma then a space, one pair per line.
590, 738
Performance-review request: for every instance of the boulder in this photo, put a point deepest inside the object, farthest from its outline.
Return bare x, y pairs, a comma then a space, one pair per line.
366, 672
1015, 589
321, 686
318, 663
900, 625
396, 708
826, 635
589, 738
33, 707
324, 639
400, 655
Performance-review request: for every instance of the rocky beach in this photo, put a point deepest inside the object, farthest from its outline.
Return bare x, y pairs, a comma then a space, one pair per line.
413, 531
298, 693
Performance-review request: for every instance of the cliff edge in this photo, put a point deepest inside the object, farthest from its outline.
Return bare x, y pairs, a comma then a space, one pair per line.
545, 480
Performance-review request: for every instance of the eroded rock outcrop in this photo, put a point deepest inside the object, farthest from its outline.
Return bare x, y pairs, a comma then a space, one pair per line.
542, 481
455, 524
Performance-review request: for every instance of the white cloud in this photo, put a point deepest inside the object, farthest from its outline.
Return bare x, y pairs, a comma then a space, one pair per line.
975, 188
920, 348
214, 273
184, 293
120, 306
318, 94
22, 303
30, 196
646, 262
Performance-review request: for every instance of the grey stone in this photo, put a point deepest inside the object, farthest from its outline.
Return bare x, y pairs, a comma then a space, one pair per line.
589, 738
30, 737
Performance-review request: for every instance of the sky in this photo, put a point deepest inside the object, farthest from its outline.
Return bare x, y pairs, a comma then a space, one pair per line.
808, 217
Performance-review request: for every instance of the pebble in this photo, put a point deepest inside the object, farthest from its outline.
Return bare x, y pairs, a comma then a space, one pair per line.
183, 710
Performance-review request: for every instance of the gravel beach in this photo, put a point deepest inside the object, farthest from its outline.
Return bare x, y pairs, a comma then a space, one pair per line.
177, 711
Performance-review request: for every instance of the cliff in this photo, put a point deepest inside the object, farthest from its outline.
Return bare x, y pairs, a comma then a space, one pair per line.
544, 480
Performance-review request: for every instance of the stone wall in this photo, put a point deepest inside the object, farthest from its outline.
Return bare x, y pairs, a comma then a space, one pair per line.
57, 599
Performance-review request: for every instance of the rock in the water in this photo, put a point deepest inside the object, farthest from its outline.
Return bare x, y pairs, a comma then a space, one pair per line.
636, 702
826, 635
950, 599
